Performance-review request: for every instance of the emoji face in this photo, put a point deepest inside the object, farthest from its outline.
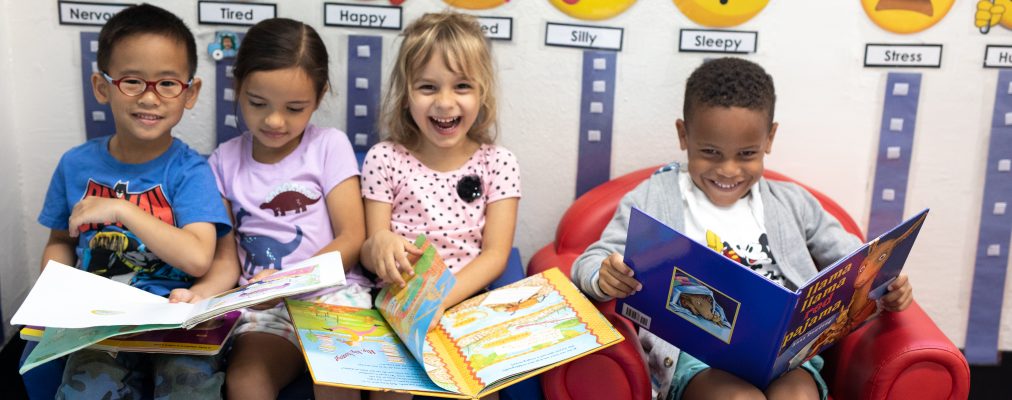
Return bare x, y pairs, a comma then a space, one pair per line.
476, 4
906, 16
593, 10
720, 13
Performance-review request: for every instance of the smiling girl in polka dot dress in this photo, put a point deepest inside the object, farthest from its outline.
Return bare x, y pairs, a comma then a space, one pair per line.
439, 173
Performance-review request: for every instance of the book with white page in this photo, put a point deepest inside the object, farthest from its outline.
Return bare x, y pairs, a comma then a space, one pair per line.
67, 297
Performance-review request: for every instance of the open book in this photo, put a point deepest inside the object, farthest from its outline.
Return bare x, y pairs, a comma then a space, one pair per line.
735, 319
481, 345
207, 338
79, 308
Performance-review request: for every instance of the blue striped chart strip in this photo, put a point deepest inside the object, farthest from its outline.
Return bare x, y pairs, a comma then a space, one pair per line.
895, 147
993, 238
228, 116
597, 110
97, 117
364, 83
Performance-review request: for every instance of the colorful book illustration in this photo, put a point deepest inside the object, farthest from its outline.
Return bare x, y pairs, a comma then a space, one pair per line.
735, 319
80, 309
207, 338
481, 345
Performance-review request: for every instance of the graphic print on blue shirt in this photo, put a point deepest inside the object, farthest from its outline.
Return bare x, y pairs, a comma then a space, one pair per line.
111, 250
263, 251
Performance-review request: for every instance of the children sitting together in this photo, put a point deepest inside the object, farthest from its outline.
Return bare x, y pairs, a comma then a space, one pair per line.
143, 208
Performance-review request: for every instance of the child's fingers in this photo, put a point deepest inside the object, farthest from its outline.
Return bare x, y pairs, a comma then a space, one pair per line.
410, 248
180, 296
403, 265
262, 274
391, 271
618, 265
899, 282
616, 284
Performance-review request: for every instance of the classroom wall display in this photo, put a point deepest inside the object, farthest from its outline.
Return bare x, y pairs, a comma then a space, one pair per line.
476, 4
720, 14
906, 16
97, 117
592, 10
991, 261
991, 13
365, 56
597, 111
895, 145
228, 117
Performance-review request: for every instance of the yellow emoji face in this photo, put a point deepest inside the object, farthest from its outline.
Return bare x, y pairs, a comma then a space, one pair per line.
476, 4
593, 10
906, 16
720, 13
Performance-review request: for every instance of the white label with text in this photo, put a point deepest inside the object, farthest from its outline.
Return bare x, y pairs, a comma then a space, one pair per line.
998, 56
898, 55
711, 41
88, 13
228, 13
590, 37
362, 16
498, 28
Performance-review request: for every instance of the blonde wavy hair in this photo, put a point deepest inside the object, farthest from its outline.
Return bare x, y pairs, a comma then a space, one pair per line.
458, 39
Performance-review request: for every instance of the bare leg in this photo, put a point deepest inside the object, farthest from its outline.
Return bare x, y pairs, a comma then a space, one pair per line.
717, 384
797, 384
260, 364
389, 396
323, 392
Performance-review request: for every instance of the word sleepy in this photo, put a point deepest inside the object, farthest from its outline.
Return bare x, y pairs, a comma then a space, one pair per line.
702, 41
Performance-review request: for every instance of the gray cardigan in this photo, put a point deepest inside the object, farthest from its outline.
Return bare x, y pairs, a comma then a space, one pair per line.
794, 221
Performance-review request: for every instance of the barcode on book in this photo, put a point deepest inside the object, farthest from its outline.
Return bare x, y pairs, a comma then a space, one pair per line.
636, 316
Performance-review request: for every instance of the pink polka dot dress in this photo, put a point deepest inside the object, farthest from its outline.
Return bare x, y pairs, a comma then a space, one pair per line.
448, 207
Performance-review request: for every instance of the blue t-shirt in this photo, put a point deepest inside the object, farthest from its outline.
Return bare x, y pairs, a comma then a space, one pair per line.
177, 187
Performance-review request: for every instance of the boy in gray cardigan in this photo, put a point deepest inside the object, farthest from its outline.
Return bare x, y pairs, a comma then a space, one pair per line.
720, 198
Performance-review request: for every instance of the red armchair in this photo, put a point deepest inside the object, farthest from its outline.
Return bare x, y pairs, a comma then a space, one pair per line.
897, 356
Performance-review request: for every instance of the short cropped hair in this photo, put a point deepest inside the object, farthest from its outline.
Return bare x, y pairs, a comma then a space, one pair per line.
729, 82
145, 19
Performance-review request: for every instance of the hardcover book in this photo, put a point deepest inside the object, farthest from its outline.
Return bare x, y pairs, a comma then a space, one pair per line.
206, 339
478, 347
734, 319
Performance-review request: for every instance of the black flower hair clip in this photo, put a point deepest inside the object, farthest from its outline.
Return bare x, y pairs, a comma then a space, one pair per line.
469, 188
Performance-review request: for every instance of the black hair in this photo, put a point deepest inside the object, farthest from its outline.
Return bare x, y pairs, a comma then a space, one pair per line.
281, 43
145, 19
730, 82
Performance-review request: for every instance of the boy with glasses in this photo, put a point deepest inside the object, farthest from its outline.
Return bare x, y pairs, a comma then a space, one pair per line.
139, 206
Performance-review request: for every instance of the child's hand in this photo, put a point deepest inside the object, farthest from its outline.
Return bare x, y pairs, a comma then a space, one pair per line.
184, 296
900, 295
389, 253
616, 278
267, 305
94, 210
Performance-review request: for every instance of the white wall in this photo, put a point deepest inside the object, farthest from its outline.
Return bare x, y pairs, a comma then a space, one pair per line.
17, 273
829, 110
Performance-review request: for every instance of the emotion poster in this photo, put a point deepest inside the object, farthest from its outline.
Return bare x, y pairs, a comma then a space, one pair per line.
476, 4
992, 13
906, 16
592, 10
720, 13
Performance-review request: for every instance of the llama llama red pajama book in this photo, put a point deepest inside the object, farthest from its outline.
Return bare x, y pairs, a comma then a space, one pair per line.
735, 319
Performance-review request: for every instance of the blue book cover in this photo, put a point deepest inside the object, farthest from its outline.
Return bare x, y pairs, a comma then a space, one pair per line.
735, 319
